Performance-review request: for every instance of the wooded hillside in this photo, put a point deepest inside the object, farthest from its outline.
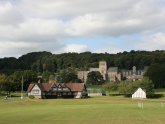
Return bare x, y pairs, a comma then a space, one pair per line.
46, 61
64, 67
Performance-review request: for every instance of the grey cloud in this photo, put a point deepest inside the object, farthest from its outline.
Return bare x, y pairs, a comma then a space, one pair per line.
152, 42
107, 17
139, 17
10, 14
47, 23
16, 49
73, 7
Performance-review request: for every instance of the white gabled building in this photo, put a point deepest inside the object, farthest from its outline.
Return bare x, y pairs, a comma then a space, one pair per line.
139, 94
35, 91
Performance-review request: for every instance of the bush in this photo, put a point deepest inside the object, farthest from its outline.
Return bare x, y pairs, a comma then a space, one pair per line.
112, 86
31, 97
129, 88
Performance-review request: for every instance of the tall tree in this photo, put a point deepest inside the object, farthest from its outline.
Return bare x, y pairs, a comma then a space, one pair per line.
2, 81
5, 84
16, 78
67, 75
156, 73
95, 78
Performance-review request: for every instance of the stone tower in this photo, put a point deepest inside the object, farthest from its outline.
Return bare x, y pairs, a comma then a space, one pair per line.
103, 69
134, 70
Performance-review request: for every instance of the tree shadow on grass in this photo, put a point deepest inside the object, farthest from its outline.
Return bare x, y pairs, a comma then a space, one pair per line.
151, 96
155, 96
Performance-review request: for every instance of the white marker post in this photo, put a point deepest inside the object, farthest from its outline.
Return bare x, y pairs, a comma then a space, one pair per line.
140, 105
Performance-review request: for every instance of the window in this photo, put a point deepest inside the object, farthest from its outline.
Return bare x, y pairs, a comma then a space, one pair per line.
65, 89
59, 88
69, 93
35, 91
54, 88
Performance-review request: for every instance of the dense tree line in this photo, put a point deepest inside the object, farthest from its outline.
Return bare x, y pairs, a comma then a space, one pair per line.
55, 66
46, 61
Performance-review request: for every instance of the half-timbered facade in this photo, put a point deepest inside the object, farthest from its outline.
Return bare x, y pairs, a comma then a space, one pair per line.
57, 90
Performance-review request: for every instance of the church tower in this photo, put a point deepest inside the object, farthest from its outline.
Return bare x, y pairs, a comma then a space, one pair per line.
103, 69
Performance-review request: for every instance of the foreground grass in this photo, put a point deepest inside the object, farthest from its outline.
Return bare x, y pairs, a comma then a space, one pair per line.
99, 110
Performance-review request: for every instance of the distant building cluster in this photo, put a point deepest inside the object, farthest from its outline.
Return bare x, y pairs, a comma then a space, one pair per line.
113, 74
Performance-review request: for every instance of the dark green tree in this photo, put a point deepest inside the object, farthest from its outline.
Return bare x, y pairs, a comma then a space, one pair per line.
95, 78
37, 66
49, 64
67, 75
4, 84
156, 73
26, 61
45, 76
28, 77
112, 86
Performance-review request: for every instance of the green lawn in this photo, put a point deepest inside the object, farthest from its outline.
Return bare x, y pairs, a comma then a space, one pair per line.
98, 110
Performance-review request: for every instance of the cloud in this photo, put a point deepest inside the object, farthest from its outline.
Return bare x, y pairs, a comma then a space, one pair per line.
109, 47
9, 14
41, 30
152, 42
95, 17
31, 25
120, 19
10, 48
76, 48
111, 50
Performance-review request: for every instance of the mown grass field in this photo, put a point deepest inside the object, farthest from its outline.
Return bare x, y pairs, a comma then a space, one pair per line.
98, 110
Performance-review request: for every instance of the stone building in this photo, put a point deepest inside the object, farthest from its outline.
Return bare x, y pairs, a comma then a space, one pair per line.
133, 74
83, 75
110, 74
113, 74
103, 69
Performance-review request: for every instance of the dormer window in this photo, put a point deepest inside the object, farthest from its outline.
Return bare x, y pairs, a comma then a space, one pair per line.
35, 91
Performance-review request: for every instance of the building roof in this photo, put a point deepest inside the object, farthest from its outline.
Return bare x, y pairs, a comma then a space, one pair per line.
75, 86
30, 87
47, 86
42, 86
113, 69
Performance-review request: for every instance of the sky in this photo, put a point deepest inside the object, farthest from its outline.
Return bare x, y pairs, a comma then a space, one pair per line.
99, 26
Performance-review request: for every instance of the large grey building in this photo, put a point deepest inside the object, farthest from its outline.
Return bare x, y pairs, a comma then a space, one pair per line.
113, 74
